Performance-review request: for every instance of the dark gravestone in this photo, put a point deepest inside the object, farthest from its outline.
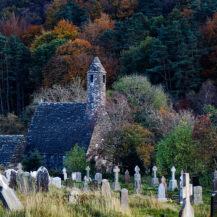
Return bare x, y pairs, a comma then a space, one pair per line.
69, 183
13, 181
93, 185
214, 205
195, 181
42, 180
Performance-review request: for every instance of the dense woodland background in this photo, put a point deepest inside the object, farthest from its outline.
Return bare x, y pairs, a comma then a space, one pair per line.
161, 62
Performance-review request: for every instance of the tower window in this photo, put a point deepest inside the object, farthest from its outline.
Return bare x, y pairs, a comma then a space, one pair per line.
103, 78
91, 78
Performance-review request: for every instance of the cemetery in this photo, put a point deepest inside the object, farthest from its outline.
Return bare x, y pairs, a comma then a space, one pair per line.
120, 195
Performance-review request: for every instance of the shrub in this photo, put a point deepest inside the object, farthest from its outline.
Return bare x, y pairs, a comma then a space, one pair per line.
32, 161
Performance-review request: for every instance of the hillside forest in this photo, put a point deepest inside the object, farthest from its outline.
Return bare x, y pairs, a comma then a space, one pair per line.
160, 57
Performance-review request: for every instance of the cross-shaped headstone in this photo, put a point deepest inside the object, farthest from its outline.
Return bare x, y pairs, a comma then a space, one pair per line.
137, 169
64, 173
155, 171
116, 170
20, 167
173, 170
88, 172
187, 209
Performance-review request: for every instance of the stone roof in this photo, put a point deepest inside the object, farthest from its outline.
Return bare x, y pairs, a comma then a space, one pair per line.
8, 145
57, 127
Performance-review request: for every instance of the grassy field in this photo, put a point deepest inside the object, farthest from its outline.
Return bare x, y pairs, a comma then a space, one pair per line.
55, 204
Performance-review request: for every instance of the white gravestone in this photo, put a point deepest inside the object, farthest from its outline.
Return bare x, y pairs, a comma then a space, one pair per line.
155, 180
137, 181
173, 182
64, 174
85, 186
187, 209
33, 174
98, 177
8, 196
124, 198
161, 196
20, 168
180, 188
198, 192
78, 177
56, 181
74, 176
105, 189
116, 183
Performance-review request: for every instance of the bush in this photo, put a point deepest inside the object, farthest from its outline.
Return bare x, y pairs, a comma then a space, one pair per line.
32, 161
76, 159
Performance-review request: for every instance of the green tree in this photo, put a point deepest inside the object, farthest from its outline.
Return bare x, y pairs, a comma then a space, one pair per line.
76, 159
178, 149
32, 161
73, 13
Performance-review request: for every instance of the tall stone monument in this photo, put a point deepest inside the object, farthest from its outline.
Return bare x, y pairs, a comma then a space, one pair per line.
161, 196
187, 209
173, 182
155, 180
180, 187
88, 174
105, 189
116, 183
64, 173
137, 181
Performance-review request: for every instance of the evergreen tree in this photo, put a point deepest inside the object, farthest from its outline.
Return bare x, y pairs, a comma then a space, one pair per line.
73, 13
151, 8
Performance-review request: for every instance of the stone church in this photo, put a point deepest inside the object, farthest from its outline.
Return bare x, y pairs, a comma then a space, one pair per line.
57, 127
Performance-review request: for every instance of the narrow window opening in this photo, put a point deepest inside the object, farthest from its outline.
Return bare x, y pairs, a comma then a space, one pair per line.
103, 78
91, 78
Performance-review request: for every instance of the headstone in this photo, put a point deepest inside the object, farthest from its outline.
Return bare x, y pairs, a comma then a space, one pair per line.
94, 185
180, 187
161, 196
116, 183
74, 176
198, 192
33, 174
173, 182
74, 195
215, 181
85, 185
105, 189
69, 183
214, 205
78, 177
187, 210
124, 198
98, 177
127, 177
25, 182
155, 180
20, 168
137, 181
56, 181
8, 196
88, 174
64, 174
42, 180
11, 175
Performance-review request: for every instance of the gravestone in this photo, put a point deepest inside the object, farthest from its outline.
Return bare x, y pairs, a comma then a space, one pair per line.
173, 182
215, 181
180, 188
105, 189
33, 174
64, 174
124, 198
116, 183
137, 180
8, 196
69, 183
214, 205
197, 195
42, 180
155, 180
25, 182
161, 195
20, 168
11, 175
74, 176
56, 181
93, 185
78, 177
88, 174
74, 195
85, 185
98, 177
187, 209
127, 177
